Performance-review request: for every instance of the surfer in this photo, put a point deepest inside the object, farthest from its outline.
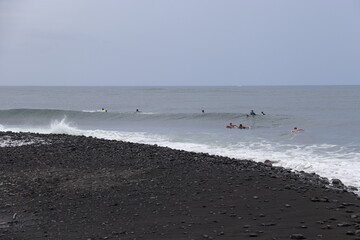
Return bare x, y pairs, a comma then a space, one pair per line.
252, 113
262, 113
231, 125
137, 110
297, 129
243, 127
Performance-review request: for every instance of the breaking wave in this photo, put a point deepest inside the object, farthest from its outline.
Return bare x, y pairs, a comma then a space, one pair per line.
327, 160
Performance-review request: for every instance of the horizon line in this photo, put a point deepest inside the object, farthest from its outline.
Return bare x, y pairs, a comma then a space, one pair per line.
300, 85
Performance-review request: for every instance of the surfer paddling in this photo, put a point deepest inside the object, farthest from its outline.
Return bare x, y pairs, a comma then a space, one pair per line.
243, 127
231, 126
297, 129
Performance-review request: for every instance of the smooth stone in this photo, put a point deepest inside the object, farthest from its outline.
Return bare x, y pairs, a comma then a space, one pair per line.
297, 236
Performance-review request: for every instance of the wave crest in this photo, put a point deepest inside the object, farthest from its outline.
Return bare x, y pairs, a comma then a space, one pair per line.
62, 126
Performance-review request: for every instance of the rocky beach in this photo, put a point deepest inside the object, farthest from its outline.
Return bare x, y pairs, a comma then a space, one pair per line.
75, 187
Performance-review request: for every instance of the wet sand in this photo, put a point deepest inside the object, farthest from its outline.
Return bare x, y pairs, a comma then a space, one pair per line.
85, 188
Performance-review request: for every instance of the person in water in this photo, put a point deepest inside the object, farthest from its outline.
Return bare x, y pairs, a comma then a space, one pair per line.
252, 113
243, 127
297, 129
137, 110
202, 111
231, 125
103, 110
262, 113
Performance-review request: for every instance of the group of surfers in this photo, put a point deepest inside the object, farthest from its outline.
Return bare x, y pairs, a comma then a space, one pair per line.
240, 126
252, 113
247, 127
236, 126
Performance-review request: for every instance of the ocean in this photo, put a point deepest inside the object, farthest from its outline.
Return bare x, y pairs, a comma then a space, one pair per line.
173, 117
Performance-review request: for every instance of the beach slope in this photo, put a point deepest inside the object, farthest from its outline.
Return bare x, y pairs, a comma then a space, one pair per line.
74, 187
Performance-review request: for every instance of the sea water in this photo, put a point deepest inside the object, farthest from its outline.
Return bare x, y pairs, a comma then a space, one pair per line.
173, 117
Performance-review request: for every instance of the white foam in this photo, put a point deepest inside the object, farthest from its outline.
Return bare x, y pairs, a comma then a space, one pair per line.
62, 126
147, 113
7, 141
331, 161
90, 111
321, 159
93, 111
14, 143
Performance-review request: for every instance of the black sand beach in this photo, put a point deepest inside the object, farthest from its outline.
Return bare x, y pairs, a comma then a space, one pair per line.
86, 188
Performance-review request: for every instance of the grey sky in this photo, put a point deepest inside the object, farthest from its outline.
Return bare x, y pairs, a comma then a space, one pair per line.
189, 42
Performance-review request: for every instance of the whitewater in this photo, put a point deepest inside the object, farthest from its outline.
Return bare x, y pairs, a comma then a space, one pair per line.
173, 117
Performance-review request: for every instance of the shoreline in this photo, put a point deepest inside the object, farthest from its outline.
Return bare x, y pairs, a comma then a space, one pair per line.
30, 138
79, 187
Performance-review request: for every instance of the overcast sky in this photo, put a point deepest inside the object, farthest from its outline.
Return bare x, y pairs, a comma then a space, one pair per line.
172, 42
